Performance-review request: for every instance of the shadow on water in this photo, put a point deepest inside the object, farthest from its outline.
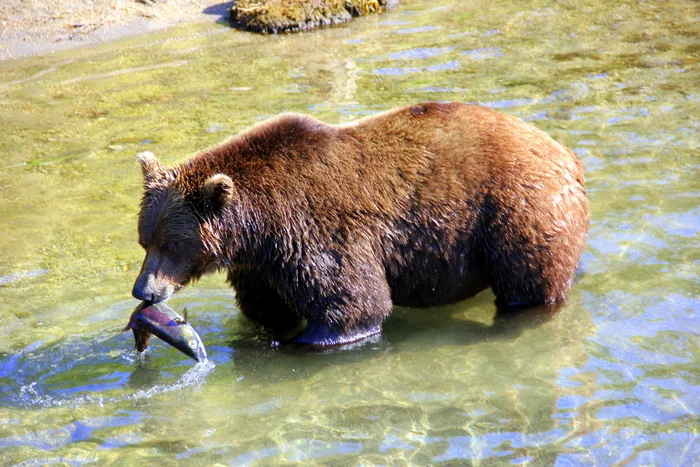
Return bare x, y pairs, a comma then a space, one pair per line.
508, 324
406, 330
221, 9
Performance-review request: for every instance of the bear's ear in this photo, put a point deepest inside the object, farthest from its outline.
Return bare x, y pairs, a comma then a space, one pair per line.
217, 191
151, 168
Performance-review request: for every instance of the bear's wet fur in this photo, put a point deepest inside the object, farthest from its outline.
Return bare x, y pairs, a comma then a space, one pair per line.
324, 228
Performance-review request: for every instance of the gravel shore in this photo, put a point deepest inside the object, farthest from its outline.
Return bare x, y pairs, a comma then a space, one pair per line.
37, 27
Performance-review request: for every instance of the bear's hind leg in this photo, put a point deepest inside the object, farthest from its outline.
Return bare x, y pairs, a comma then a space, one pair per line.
533, 261
528, 283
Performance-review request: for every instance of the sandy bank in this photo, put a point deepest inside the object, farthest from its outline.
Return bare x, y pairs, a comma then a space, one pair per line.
36, 27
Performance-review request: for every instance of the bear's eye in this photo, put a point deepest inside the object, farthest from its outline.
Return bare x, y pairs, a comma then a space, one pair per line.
171, 247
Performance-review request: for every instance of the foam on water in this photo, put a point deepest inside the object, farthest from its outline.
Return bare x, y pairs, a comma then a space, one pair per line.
193, 378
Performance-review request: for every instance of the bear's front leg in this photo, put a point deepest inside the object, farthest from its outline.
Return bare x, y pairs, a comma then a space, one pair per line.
261, 304
325, 335
349, 307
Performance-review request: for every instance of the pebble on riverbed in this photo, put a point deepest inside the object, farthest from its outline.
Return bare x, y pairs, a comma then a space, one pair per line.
277, 16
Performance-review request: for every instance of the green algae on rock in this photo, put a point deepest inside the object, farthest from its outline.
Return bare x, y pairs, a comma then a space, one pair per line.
277, 16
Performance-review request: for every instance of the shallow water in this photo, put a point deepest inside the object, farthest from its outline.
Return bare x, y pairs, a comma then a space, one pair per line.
613, 377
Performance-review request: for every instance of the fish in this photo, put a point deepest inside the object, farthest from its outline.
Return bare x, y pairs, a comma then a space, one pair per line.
162, 321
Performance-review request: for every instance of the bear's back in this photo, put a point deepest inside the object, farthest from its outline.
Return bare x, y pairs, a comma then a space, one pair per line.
431, 155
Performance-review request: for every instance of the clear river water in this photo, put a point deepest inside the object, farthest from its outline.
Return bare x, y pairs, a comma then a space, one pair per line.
613, 378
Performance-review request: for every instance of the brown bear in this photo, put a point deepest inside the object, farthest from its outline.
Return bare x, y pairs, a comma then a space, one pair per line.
323, 228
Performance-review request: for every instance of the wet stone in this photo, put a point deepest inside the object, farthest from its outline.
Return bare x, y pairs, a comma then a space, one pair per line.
278, 16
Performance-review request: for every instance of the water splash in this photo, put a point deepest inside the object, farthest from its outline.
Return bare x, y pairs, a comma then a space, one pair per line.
192, 378
29, 396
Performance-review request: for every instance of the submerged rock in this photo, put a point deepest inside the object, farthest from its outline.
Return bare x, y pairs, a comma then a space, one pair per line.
276, 16
18, 276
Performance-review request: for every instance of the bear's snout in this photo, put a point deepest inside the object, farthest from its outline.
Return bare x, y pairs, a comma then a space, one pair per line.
148, 288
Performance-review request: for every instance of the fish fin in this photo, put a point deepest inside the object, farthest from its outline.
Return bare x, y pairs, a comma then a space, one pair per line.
128, 327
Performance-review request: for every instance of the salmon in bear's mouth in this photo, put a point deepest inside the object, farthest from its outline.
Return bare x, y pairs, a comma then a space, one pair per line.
162, 321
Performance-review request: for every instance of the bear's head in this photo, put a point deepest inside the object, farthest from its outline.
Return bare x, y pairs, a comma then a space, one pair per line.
179, 227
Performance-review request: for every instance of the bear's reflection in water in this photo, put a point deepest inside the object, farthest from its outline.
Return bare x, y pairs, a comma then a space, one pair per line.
464, 325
